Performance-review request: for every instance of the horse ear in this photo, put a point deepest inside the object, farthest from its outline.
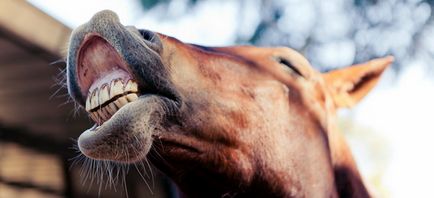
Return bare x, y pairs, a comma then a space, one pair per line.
349, 85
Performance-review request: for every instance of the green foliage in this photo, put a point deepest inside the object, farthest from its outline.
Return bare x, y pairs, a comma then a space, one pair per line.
332, 33
148, 4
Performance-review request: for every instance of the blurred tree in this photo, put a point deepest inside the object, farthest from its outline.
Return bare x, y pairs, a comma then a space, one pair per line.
148, 4
338, 33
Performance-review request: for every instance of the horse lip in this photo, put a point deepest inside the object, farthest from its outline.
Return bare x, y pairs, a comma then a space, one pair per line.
97, 141
103, 59
121, 63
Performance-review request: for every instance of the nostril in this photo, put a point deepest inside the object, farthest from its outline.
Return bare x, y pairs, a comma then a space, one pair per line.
147, 35
152, 40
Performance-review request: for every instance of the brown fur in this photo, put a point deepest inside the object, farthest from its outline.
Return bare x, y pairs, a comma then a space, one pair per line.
242, 122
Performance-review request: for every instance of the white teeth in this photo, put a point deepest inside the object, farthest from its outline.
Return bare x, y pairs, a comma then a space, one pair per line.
120, 102
95, 117
94, 99
111, 108
106, 113
104, 94
132, 97
131, 86
88, 104
116, 88
96, 102
102, 115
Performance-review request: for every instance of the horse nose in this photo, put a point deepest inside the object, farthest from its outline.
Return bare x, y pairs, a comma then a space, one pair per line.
151, 39
104, 17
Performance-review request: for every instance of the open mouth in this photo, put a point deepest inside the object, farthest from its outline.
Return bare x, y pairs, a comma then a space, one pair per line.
118, 76
104, 79
124, 109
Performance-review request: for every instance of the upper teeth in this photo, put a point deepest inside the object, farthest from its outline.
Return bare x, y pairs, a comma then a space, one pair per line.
118, 93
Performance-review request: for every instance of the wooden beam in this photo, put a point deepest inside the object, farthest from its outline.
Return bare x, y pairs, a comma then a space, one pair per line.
40, 143
34, 26
29, 185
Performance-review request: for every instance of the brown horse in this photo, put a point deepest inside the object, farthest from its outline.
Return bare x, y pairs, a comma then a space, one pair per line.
235, 121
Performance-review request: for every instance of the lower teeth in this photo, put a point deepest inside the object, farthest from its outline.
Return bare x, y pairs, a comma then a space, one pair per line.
117, 94
104, 113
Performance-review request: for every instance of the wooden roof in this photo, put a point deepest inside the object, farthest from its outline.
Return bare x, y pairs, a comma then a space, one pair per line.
29, 41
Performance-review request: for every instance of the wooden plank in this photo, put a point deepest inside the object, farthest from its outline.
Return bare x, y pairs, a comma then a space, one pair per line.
10, 51
34, 26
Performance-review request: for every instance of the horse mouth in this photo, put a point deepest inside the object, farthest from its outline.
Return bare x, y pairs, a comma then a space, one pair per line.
125, 107
105, 79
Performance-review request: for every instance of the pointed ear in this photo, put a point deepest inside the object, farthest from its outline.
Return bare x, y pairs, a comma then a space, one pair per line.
349, 85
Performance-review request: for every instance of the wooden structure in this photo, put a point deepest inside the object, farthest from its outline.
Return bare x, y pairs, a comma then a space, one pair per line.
37, 124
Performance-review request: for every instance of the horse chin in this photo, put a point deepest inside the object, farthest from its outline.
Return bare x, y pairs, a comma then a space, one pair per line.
127, 135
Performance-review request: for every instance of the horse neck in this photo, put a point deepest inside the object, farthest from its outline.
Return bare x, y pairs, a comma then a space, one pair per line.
348, 180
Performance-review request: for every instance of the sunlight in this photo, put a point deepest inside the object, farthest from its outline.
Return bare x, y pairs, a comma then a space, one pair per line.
400, 109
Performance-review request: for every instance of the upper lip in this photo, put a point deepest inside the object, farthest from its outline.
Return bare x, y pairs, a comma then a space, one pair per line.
146, 83
96, 57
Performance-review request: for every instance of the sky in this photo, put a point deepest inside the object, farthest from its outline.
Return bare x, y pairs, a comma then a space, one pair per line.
398, 113
220, 28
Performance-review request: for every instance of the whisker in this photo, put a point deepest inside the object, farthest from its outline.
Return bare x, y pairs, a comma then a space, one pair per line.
58, 61
152, 174
143, 178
